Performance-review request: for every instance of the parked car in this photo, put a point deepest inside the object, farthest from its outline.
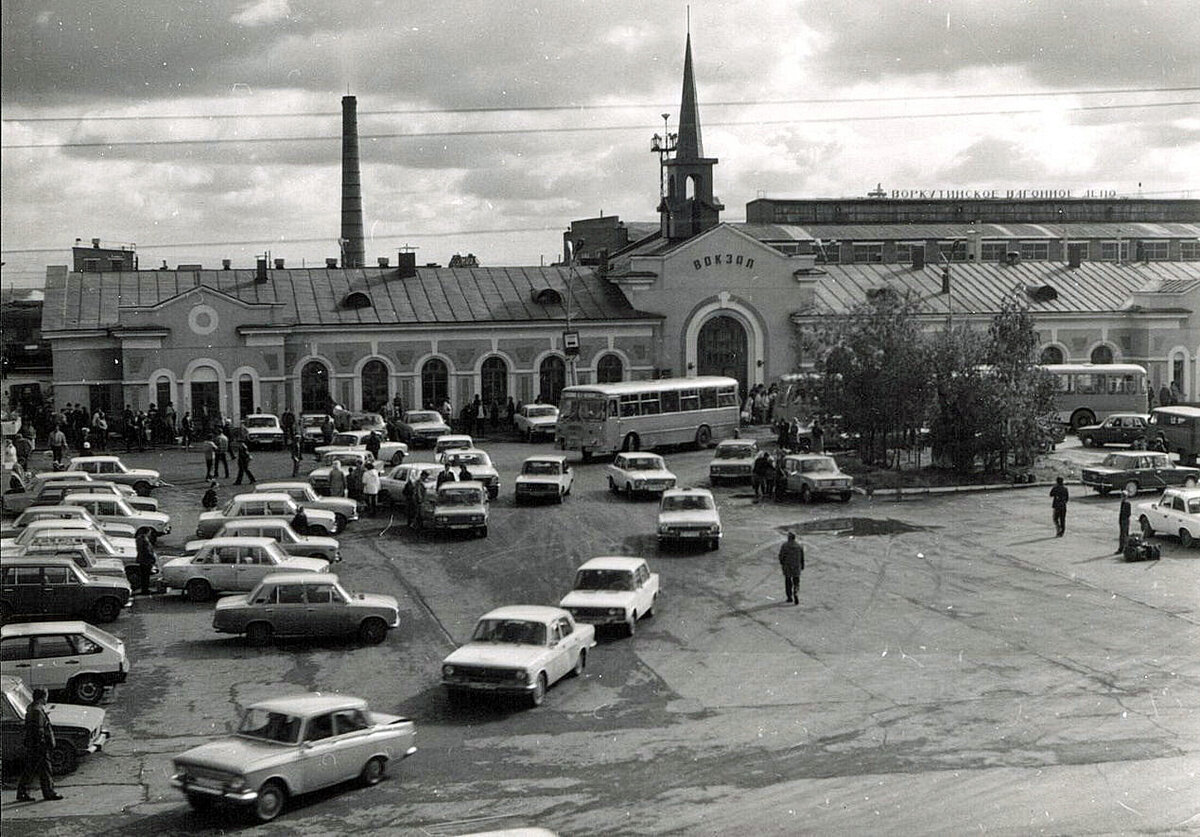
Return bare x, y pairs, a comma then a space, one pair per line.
41, 586
109, 509
368, 421
280, 531
519, 650
48, 489
288, 746
478, 463
20, 488
534, 420
310, 429
54, 492
350, 458
1116, 429
60, 513
689, 515
612, 591
542, 477
344, 509
1176, 512
639, 473
86, 560
72, 657
232, 565
733, 461
262, 430
1137, 471
78, 730
451, 441
455, 507
393, 480
421, 428
391, 452
111, 468
259, 505
306, 604
813, 475
53, 533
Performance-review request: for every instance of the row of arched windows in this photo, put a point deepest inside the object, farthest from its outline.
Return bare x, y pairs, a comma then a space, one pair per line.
1100, 355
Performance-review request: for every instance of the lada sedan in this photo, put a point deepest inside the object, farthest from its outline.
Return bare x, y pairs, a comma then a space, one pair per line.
451, 441
478, 463
109, 509
421, 428
534, 420
280, 531
306, 604
733, 461
544, 477
232, 565
288, 746
812, 475
259, 505
639, 473
311, 429
519, 650
394, 480
689, 515
35, 513
1134, 471
612, 590
55, 491
455, 507
111, 468
1116, 429
87, 561
75, 657
344, 509
78, 730
318, 477
21, 489
51, 533
262, 430
1176, 512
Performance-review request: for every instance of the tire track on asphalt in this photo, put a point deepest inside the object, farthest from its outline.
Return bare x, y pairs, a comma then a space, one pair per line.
412, 590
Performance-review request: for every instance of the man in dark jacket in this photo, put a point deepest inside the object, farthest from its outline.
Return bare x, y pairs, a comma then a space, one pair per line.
1123, 520
791, 561
39, 742
243, 463
147, 560
1058, 502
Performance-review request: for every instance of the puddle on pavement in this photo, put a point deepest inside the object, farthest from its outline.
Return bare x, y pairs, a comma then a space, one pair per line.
854, 527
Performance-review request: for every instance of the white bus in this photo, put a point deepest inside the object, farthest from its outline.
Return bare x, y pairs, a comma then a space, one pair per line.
1086, 393
639, 415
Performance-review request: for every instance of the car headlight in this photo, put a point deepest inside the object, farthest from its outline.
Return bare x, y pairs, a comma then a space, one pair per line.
715, 528
616, 611
237, 783
663, 528
522, 676
638, 483
670, 483
441, 518
447, 671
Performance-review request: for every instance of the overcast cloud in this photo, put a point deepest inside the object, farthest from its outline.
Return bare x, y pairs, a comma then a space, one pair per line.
505, 183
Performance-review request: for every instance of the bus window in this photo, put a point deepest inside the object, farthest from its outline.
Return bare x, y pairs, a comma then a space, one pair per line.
613, 409
726, 397
629, 405
649, 404
689, 399
670, 401
708, 398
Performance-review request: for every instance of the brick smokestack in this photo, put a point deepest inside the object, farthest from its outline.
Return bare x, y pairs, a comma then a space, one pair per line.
353, 252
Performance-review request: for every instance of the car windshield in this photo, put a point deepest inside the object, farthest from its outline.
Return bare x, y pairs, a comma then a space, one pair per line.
735, 451
541, 469
422, 417
644, 464
584, 408
259, 421
458, 497
1119, 460
20, 696
312, 421
344, 457
1193, 505
469, 459
603, 580
687, 503
346, 439
367, 421
270, 726
510, 631
817, 466
538, 412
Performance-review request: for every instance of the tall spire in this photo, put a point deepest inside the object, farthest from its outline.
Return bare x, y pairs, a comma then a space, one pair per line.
690, 147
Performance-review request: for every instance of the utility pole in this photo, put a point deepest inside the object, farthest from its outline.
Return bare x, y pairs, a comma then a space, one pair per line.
570, 337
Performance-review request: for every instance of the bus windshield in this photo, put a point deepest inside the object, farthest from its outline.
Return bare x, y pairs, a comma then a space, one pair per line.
583, 407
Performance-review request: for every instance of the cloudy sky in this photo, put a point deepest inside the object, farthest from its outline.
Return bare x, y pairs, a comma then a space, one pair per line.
210, 130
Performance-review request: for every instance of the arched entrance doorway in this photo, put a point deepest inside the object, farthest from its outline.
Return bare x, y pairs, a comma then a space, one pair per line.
551, 379
374, 385
493, 379
722, 349
314, 388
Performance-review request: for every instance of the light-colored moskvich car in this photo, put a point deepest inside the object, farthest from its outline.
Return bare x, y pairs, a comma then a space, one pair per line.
393, 481
813, 475
109, 509
733, 461
257, 505
306, 604
455, 507
544, 477
1175, 512
612, 590
262, 430
111, 468
422, 427
390, 452
534, 420
689, 515
478, 463
636, 472
344, 509
232, 565
288, 746
350, 458
519, 650
280, 531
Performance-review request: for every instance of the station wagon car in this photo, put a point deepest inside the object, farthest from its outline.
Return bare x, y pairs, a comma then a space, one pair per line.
421, 428
1176, 512
544, 477
261, 504
639, 473
813, 475
280, 531
344, 509
262, 430
232, 565
73, 657
612, 590
350, 458
1137, 471
78, 730
478, 463
111, 468
689, 515
1117, 429
393, 481
534, 420
60, 513
733, 461
519, 650
306, 604
41, 586
455, 507
288, 746
109, 509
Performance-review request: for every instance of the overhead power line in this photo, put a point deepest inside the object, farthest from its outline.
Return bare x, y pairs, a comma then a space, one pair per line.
582, 129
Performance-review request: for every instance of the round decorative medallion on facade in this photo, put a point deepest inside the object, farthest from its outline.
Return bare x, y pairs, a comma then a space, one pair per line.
203, 319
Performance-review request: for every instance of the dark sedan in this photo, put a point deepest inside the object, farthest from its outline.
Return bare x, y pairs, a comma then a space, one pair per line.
1139, 470
1117, 429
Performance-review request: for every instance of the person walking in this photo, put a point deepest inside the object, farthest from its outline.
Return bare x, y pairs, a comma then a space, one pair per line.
297, 452
818, 436
39, 743
222, 456
760, 472
1058, 502
147, 560
410, 498
337, 480
791, 561
185, 431
58, 445
1123, 518
210, 458
373, 444
243, 463
371, 488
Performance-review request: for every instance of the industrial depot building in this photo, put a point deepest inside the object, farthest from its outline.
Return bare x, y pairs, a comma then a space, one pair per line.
1107, 279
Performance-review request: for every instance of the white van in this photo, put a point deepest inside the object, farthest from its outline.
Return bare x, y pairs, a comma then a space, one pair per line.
75, 657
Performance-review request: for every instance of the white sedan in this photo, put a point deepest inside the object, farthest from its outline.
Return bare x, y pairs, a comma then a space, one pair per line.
1176, 512
393, 481
534, 420
225, 565
547, 476
613, 590
689, 515
639, 473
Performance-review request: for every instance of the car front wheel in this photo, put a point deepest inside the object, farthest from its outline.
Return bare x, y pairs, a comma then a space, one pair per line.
198, 590
373, 771
258, 634
372, 631
1185, 538
64, 758
1131, 487
87, 688
539, 690
805, 494
1147, 529
580, 663
269, 804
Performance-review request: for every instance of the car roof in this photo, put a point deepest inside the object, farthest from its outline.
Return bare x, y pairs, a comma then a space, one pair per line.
466, 451
534, 613
89, 495
298, 578
462, 484
68, 523
239, 540
310, 704
640, 454
38, 558
262, 495
42, 628
546, 457
247, 522
269, 487
809, 456
58, 476
454, 437
1185, 493
55, 509
731, 442
678, 492
612, 562
1180, 410
95, 459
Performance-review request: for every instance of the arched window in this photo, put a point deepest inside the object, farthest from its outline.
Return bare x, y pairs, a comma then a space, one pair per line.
374, 385
494, 380
1052, 354
435, 383
610, 370
1102, 354
552, 377
245, 395
314, 388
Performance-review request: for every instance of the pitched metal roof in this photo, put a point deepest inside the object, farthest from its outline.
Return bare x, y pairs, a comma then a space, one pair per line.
313, 296
920, 231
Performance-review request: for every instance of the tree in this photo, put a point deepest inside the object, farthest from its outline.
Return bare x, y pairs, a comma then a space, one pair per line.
1028, 392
